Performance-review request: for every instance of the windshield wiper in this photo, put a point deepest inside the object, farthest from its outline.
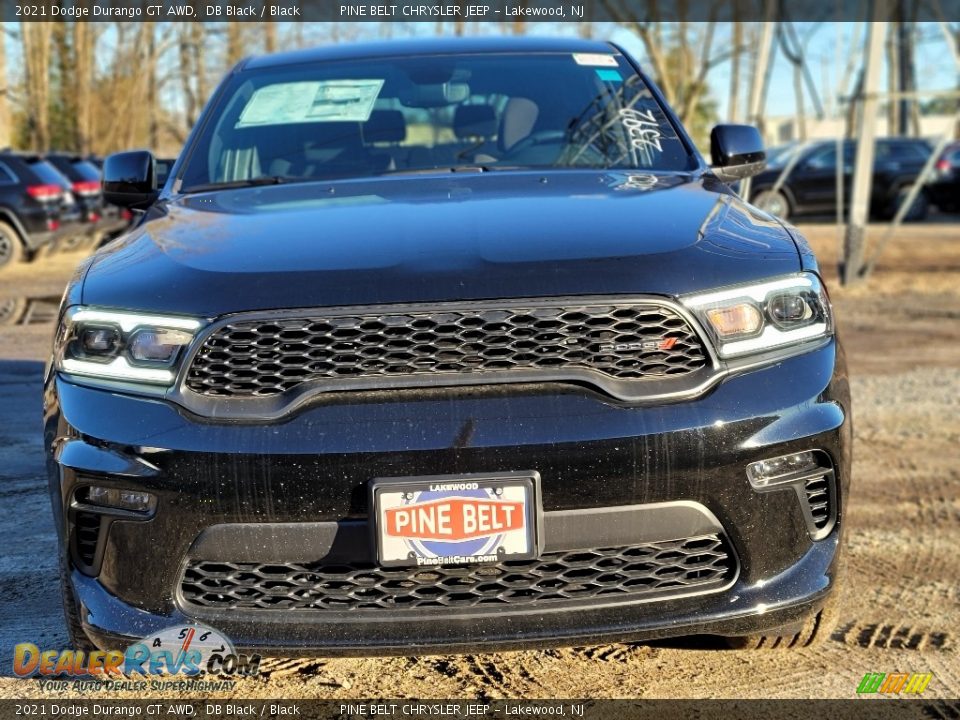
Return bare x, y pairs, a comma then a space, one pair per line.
450, 169
249, 182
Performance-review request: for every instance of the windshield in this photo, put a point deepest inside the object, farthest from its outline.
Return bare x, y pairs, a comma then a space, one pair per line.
87, 170
780, 155
495, 111
49, 174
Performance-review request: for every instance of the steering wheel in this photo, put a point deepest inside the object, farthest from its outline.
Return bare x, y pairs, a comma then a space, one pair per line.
543, 137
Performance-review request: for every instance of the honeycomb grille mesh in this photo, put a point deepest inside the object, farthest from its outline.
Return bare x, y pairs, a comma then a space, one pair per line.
267, 357
696, 564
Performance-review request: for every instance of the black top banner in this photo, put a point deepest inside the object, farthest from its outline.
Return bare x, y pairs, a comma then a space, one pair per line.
468, 11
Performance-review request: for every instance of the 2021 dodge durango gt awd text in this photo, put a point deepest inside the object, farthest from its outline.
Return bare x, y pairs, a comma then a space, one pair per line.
447, 345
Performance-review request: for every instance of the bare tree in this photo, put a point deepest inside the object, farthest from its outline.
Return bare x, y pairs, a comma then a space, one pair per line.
794, 50
235, 41
152, 99
36, 64
893, 77
682, 54
5, 126
270, 31
84, 46
192, 68
737, 40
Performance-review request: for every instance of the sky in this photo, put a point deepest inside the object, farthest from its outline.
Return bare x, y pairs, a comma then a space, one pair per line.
828, 47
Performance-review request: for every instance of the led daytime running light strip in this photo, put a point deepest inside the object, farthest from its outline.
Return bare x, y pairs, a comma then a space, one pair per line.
759, 293
131, 321
117, 369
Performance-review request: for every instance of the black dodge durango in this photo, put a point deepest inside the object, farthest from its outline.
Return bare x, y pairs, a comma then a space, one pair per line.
441, 346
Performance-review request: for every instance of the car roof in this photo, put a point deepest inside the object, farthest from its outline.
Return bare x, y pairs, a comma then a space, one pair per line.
24, 155
72, 157
891, 139
430, 46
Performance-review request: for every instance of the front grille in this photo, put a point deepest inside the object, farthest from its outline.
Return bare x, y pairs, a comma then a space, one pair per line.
633, 341
658, 569
818, 492
87, 533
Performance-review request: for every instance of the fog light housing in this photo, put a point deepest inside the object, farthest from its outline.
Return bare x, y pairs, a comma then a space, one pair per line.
120, 499
783, 469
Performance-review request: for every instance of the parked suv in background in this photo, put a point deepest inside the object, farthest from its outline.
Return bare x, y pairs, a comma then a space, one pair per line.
445, 345
944, 190
811, 186
31, 200
97, 219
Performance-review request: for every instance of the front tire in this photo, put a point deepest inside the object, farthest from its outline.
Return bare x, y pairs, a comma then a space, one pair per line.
11, 249
71, 610
11, 310
773, 202
918, 210
815, 630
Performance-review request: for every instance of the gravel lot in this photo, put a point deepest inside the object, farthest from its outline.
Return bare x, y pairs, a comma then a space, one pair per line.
901, 601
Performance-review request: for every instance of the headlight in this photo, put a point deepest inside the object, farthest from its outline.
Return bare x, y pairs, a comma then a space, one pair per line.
123, 346
764, 316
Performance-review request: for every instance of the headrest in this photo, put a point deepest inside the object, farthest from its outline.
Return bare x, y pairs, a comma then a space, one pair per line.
474, 121
385, 126
519, 117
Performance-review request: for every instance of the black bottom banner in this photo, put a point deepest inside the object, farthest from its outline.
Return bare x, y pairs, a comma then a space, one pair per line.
405, 709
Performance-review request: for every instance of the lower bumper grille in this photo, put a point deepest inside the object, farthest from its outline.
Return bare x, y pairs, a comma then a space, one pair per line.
819, 494
659, 569
87, 529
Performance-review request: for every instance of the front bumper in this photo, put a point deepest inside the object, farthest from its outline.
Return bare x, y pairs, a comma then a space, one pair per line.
309, 473
35, 223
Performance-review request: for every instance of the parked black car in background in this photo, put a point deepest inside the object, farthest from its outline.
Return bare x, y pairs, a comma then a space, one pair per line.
97, 218
944, 191
811, 188
31, 206
530, 375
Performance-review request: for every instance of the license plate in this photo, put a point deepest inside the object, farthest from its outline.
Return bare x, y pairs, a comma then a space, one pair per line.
455, 520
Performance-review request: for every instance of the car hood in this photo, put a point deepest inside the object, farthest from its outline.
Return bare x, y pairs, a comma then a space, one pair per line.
428, 238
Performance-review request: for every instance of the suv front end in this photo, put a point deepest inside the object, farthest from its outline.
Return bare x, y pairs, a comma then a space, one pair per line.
668, 416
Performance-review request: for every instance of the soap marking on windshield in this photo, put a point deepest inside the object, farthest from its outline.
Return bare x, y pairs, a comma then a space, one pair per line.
595, 59
311, 101
643, 128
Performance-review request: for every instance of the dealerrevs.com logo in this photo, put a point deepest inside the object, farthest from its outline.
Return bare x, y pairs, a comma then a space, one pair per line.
189, 650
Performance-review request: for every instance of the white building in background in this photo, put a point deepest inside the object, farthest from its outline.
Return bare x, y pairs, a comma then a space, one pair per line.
784, 129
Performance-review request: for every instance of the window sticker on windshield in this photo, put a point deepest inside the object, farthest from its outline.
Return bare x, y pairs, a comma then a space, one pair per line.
609, 75
595, 59
297, 102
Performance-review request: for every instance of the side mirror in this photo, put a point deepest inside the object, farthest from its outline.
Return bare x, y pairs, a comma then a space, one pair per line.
130, 179
737, 152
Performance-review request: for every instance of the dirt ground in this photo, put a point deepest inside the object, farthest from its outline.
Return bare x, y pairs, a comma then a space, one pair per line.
900, 604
